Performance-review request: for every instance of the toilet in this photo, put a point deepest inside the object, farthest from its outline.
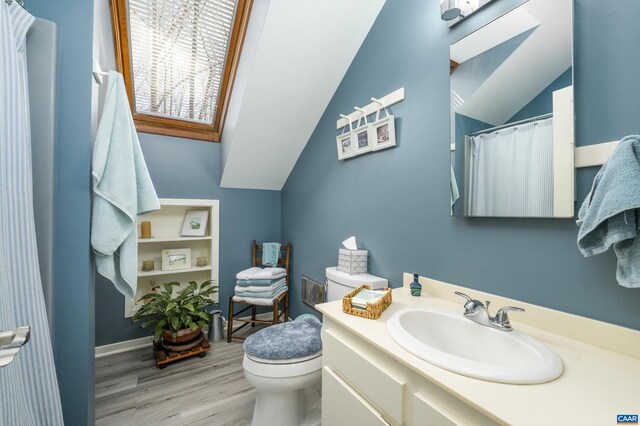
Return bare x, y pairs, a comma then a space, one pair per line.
284, 361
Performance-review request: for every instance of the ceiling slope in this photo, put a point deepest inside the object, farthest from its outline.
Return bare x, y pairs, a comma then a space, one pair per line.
295, 55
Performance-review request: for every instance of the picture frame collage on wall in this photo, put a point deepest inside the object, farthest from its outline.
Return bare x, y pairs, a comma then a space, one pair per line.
366, 137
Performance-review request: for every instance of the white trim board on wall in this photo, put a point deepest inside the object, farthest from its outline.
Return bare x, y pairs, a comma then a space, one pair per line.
594, 155
388, 100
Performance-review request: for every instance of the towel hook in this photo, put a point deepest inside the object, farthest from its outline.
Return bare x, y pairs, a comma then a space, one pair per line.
379, 102
364, 114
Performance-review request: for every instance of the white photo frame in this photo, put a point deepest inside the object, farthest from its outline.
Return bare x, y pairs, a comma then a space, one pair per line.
383, 131
176, 259
346, 148
362, 139
345, 145
195, 223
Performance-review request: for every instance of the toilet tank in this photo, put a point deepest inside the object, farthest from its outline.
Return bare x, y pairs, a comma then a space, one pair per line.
340, 283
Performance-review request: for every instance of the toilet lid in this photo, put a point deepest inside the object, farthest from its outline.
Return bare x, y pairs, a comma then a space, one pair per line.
290, 340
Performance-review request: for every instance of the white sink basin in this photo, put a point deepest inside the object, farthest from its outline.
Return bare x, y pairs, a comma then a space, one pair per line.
453, 342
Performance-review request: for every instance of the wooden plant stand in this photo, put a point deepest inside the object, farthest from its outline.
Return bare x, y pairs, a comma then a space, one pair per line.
165, 356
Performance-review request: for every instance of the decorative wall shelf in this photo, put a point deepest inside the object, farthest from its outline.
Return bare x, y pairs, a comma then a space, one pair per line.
390, 99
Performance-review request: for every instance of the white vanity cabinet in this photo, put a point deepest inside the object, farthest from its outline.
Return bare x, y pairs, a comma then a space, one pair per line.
364, 386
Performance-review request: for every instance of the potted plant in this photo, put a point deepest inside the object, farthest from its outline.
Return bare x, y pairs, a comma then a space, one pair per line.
177, 319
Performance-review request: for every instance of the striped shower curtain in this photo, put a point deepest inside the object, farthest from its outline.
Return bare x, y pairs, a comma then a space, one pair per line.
509, 172
28, 386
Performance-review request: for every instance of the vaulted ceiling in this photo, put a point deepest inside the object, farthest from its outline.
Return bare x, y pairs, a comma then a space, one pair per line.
295, 55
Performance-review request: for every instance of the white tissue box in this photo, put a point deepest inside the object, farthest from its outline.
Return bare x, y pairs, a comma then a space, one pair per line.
353, 261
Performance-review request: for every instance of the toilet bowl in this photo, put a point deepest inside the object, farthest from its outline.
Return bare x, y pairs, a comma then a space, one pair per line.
288, 391
284, 361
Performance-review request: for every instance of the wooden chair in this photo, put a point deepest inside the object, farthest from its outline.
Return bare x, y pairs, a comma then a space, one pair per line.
284, 260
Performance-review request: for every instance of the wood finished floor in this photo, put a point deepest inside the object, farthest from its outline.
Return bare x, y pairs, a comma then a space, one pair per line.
131, 390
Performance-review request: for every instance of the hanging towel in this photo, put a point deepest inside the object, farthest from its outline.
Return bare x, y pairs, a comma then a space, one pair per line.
609, 214
122, 190
270, 254
455, 193
256, 273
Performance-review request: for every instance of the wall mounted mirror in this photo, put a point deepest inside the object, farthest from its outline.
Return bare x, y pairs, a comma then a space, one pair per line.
512, 118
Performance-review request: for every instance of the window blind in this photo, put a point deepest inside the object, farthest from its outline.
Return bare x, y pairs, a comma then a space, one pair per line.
178, 53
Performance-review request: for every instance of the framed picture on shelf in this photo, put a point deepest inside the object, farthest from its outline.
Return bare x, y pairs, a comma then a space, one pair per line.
384, 133
176, 259
346, 148
195, 223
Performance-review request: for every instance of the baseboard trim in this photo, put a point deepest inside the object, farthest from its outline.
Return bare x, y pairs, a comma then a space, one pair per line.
126, 346
144, 342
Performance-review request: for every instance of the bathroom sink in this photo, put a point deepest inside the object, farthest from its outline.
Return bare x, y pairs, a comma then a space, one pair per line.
451, 341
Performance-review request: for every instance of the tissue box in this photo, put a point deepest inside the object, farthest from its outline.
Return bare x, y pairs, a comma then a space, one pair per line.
353, 261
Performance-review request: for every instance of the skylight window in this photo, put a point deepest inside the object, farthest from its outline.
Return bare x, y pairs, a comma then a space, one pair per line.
178, 58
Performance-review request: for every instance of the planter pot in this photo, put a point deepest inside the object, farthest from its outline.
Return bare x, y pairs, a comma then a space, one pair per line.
183, 340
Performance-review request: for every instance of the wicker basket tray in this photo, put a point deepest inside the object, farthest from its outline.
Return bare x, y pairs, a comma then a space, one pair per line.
373, 311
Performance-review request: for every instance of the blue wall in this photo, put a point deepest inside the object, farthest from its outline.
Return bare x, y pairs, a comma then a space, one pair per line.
184, 168
543, 102
396, 201
73, 318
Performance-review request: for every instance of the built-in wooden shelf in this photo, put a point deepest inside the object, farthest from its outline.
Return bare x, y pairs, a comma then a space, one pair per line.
174, 271
171, 239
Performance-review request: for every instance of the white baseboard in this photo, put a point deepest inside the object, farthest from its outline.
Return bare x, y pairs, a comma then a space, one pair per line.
144, 342
126, 346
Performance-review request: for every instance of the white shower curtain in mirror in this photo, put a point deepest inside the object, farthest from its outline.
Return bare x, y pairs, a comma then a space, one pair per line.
510, 171
28, 386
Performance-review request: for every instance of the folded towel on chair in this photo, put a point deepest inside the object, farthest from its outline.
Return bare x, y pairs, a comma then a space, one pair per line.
256, 273
259, 301
261, 294
240, 291
275, 284
259, 283
610, 215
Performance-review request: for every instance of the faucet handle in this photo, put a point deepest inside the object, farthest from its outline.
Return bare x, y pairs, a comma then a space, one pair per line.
502, 316
471, 304
461, 294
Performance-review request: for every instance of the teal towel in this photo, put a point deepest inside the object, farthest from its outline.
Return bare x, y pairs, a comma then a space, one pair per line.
270, 254
610, 214
257, 283
261, 295
122, 190
455, 193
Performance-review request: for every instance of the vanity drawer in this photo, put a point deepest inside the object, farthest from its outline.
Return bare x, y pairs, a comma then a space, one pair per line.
342, 406
438, 409
375, 382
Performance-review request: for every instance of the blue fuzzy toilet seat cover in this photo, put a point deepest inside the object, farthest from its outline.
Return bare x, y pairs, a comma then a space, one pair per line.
290, 340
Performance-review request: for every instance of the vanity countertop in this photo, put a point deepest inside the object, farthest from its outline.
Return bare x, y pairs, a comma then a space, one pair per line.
601, 376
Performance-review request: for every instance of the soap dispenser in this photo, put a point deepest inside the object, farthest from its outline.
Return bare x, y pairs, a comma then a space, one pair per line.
416, 288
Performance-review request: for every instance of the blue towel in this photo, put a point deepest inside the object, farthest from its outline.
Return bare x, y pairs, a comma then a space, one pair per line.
122, 190
270, 254
257, 283
610, 215
290, 340
261, 294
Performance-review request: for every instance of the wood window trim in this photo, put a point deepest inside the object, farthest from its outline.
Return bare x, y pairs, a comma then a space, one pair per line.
148, 123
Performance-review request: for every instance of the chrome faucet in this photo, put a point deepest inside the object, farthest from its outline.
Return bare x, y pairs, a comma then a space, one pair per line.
478, 312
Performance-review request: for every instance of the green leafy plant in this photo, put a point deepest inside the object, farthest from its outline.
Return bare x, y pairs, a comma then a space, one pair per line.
165, 311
